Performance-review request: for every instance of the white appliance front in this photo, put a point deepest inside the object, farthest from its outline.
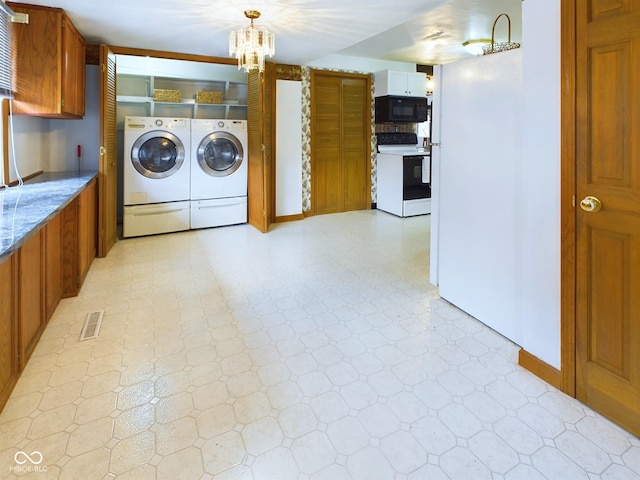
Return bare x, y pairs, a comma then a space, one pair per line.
218, 212
156, 160
391, 185
218, 172
155, 218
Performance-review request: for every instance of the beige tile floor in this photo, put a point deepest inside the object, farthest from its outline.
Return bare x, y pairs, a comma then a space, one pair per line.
317, 351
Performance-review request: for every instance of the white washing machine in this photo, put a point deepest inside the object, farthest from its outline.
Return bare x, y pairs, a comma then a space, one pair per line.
218, 172
156, 175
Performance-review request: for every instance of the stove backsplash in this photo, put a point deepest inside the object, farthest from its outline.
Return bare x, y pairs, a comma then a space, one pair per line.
396, 127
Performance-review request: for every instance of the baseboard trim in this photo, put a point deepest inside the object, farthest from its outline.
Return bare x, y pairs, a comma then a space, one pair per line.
541, 369
289, 218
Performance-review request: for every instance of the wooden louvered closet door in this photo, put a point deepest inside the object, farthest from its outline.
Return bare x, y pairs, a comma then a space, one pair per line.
260, 201
108, 173
340, 142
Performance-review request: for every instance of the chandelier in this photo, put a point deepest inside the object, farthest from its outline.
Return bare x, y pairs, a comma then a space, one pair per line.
251, 45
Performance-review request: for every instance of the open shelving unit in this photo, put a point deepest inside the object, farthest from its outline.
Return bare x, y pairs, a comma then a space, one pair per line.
135, 97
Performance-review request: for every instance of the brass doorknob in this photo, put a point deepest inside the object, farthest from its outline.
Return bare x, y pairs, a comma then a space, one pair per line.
590, 204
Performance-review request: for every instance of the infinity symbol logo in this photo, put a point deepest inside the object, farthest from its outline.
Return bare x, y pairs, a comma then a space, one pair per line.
35, 458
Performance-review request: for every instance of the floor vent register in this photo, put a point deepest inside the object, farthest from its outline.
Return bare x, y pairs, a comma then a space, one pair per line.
91, 327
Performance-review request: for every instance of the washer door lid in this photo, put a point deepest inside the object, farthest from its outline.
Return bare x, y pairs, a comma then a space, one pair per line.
157, 154
220, 154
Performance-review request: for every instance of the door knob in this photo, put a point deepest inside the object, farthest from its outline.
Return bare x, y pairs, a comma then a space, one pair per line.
590, 204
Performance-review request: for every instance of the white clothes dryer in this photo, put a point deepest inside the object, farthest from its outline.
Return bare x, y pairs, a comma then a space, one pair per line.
156, 175
218, 172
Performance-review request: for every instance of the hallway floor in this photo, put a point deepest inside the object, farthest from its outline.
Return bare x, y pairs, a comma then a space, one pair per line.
316, 351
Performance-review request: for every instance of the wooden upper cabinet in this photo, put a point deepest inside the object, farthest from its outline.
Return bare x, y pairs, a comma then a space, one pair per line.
48, 55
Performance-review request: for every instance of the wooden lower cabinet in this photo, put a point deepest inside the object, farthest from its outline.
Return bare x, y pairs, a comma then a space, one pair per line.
50, 265
8, 330
53, 287
30, 296
87, 229
79, 239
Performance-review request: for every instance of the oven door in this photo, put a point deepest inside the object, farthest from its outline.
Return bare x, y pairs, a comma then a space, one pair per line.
413, 186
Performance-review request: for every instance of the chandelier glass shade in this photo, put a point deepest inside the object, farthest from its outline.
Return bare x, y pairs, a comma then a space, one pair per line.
475, 46
251, 45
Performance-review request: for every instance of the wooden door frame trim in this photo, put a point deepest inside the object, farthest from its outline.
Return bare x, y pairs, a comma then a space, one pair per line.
568, 58
141, 52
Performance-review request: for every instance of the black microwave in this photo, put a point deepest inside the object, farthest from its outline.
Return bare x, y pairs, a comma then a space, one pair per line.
396, 109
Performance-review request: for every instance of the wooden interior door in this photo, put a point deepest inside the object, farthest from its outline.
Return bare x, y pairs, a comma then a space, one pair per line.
326, 156
260, 122
608, 240
107, 176
356, 144
340, 142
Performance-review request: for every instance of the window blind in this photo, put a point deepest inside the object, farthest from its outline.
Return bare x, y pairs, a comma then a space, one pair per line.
5, 54
5, 50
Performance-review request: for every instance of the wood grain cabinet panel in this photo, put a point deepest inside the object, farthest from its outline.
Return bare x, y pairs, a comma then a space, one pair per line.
79, 239
30, 296
53, 265
87, 229
8, 330
49, 74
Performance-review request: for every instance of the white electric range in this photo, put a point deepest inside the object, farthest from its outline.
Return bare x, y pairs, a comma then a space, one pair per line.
403, 175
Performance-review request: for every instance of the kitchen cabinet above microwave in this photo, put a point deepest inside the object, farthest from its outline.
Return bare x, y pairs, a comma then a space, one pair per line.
49, 73
410, 84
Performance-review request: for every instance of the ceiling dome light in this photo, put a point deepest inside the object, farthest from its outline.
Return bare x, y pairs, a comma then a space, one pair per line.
474, 47
251, 45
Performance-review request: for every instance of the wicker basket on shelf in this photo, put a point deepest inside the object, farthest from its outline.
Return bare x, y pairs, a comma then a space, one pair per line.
160, 95
208, 97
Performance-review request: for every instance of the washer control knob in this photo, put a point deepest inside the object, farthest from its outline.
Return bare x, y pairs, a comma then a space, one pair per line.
220, 124
158, 122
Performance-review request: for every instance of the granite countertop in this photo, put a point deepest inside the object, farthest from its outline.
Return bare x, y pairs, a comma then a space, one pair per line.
23, 210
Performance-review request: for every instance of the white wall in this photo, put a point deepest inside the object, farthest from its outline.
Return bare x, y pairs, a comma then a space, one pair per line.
356, 64
540, 185
288, 148
66, 135
30, 147
51, 145
501, 261
164, 67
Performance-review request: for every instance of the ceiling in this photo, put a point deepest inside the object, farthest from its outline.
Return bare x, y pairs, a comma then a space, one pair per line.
415, 31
